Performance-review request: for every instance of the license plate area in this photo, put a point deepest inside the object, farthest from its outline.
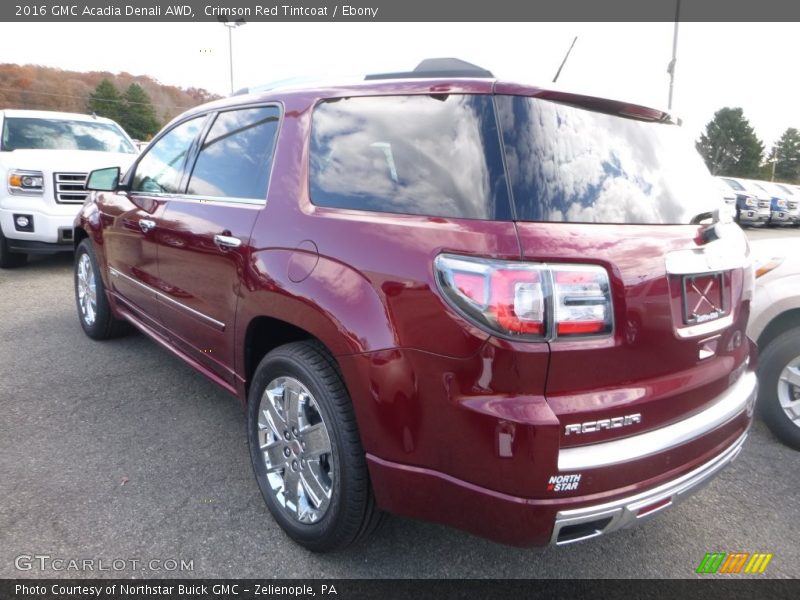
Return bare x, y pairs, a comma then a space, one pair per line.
704, 297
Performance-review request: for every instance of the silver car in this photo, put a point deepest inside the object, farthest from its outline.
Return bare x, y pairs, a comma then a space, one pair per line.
775, 326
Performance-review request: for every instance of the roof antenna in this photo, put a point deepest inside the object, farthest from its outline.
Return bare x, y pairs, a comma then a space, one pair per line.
566, 56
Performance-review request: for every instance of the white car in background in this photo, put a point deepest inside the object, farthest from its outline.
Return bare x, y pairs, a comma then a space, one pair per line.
45, 158
775, 326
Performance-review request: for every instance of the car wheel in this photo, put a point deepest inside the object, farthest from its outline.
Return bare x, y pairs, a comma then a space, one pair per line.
779, 387
94, 311
8, 259
306, 450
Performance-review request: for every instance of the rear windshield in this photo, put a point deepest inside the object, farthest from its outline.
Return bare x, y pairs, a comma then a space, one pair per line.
441, 155
25, 133
575, 165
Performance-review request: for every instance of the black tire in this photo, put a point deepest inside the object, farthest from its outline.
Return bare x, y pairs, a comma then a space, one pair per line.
773, 359
104, 326
8, 259
351, 513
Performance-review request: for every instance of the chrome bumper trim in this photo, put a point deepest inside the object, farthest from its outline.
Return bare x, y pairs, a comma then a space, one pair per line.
738, 398
624, 512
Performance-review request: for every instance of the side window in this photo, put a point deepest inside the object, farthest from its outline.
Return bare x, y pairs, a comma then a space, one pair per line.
160, 169
436, 155
235, 158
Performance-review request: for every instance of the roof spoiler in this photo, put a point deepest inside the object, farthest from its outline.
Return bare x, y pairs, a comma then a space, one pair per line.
437, 68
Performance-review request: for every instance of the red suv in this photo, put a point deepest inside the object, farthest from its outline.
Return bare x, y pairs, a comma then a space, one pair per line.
508, 309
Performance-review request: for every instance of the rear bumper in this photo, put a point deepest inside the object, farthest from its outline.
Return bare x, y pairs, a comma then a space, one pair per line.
739, 398
592, 521
712, 438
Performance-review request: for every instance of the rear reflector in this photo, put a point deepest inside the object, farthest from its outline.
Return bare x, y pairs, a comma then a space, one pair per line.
651, 508
528, 301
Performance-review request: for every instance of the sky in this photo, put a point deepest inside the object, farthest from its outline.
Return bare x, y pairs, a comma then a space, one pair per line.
750, 65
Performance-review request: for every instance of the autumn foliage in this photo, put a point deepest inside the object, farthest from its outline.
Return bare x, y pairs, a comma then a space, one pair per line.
45, 88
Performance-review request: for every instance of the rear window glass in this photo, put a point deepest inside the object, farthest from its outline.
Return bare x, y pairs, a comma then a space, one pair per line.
573, 165
435, 155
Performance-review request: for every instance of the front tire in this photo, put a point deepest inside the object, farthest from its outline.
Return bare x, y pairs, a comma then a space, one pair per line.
779, 387
94, 310
8, 259
306, 450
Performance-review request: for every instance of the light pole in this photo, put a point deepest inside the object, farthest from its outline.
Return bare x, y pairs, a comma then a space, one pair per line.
231, 25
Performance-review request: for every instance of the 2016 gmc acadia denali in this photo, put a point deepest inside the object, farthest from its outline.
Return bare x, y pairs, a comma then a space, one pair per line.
437, 294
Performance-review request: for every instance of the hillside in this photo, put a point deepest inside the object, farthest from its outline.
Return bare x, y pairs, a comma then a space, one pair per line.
46, 88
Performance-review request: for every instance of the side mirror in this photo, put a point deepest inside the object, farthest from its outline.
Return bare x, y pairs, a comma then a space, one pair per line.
103, 180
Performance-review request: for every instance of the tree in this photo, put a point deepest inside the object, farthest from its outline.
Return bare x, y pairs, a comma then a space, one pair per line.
106, 101
139, 118
730, 146
787, 155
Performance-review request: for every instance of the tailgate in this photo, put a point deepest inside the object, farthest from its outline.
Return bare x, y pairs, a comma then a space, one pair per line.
679, 314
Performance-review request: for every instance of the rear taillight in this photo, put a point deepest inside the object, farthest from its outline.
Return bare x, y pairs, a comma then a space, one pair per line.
530, 301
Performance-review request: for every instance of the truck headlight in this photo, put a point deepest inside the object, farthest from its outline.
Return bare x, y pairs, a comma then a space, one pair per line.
25, 182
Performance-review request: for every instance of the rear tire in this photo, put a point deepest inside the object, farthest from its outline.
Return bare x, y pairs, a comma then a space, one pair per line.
306, 450
8, 259
94, 309
779, 387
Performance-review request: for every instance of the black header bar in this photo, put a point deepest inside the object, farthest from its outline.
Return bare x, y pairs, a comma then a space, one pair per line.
396, 10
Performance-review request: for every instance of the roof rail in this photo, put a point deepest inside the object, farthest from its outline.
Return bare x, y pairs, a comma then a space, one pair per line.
437, 67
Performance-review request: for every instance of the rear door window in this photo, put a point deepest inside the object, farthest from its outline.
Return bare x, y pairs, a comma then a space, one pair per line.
436, 155
236, 155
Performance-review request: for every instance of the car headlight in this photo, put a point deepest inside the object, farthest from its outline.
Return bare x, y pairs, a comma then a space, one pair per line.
25, 182
750, 201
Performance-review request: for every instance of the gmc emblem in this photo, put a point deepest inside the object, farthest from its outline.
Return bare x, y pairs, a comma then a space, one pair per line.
594, 426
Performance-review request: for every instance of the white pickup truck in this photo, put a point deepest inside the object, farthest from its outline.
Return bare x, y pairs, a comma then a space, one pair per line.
44, 160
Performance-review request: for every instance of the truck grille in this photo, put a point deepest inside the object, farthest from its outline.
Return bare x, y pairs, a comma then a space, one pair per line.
70, 188
792, 205
763, 203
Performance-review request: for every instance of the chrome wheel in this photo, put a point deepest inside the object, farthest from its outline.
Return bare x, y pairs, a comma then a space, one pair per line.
789, 390
87, 290
296, 449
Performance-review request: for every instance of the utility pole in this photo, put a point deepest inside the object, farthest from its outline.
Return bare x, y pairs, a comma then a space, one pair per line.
671, 66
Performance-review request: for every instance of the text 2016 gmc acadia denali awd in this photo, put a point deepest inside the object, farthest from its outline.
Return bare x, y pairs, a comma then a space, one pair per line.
495, 306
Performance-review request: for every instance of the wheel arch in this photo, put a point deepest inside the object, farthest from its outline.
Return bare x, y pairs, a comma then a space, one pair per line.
788, 319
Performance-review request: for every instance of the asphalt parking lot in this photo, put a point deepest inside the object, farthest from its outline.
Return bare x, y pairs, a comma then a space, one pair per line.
118, 451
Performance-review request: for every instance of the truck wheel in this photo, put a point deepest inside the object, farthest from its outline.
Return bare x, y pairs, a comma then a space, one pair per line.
8, 259
779, 387
94, 311
306, 450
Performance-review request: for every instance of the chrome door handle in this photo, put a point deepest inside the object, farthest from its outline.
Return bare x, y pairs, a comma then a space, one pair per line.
146, 225
227, 241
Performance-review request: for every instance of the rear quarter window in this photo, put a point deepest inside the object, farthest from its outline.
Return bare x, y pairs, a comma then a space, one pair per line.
435, 155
